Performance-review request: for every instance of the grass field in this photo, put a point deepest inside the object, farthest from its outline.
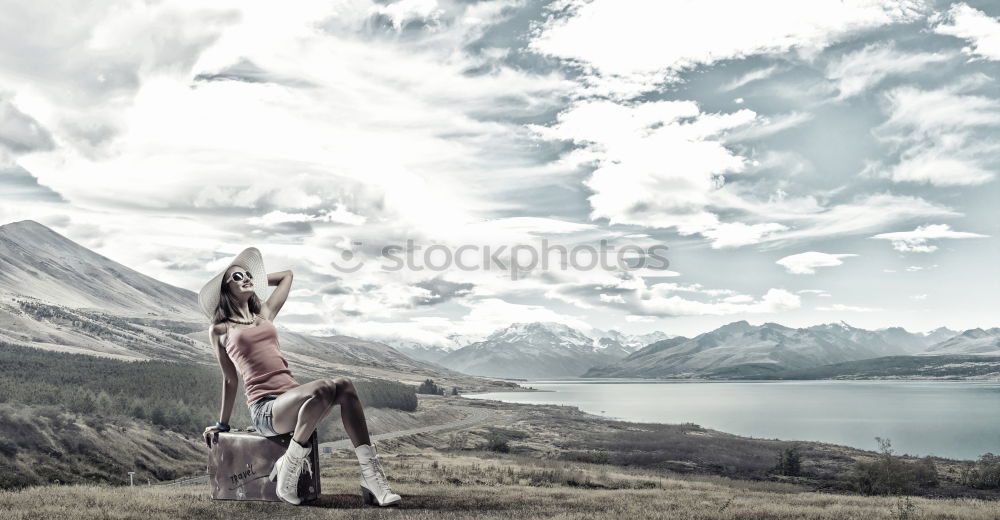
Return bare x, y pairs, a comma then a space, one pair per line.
478, 484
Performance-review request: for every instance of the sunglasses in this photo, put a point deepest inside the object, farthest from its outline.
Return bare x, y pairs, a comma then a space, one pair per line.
238, 276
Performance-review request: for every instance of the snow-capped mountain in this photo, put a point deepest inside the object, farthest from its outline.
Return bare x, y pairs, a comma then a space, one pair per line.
973, 341
531, 350
608, 344
740, 349
628, 342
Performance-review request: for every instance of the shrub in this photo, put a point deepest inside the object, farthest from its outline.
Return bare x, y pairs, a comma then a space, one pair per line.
457, 440
497, 442
983, 474
925, 473
889, 474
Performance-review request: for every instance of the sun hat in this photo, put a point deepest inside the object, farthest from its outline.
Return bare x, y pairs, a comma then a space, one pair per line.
249, 258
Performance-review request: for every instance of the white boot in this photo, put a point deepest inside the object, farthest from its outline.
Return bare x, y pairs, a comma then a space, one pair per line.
287, 469
374, 486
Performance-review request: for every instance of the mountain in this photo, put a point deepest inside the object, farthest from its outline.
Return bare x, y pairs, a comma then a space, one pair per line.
628, 343
973, 341
41, 263
740, 349
910, 342
531, 350
939, 334
58, 295
431, 353
604, 345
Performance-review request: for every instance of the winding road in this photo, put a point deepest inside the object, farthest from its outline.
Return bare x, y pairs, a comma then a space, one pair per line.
475, 416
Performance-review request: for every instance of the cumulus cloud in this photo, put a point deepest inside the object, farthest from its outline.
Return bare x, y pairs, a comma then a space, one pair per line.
979, 29
657, 162
658, 303
806, 263
918, 240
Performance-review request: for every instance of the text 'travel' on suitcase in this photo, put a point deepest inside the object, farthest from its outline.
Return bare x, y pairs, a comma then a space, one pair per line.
239, 463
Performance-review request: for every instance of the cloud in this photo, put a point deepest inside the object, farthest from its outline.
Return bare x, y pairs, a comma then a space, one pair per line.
939, 134
611, 39
339, 215
654, 302
810, 216
249, 72
656, 162
806, 263
739, 234
103, 50
861, 70
917, 241
663, 164
439, 290
20, 132
839, 307
749, 77
968, 23
17, 184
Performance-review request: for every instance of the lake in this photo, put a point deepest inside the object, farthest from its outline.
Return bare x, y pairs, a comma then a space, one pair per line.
947, 419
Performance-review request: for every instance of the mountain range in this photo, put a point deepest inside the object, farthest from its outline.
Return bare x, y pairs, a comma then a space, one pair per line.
736, 350
742, 350
560, 348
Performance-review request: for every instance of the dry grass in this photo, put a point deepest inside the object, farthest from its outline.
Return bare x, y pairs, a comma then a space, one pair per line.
486, 485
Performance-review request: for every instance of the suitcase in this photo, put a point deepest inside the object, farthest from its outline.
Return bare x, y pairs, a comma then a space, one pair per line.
239, 463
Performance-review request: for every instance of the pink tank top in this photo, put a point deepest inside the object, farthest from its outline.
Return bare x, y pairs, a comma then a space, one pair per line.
256, 354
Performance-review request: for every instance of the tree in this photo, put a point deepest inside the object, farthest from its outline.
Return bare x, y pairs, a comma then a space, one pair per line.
789, 461
428, 387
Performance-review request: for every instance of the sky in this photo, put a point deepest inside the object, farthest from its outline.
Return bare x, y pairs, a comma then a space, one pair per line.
773, 161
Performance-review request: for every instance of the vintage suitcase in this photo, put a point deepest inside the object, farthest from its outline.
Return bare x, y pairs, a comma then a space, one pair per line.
240, 461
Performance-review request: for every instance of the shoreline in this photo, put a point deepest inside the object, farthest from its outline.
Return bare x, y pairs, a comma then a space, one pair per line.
720, 429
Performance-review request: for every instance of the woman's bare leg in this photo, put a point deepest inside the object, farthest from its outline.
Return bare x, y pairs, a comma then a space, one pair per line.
352, 413
302, 408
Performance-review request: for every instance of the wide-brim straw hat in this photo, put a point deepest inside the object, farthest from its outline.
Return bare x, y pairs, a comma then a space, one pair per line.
250, 259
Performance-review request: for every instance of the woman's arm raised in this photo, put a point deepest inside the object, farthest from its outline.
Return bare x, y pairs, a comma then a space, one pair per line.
283, 281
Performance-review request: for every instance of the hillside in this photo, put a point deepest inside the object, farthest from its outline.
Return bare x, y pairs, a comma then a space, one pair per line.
43, 264
903, 367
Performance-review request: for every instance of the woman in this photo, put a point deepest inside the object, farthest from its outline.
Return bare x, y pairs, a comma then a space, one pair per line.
245, 341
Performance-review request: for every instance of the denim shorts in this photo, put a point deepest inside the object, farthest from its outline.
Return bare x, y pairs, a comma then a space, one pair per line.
260, 415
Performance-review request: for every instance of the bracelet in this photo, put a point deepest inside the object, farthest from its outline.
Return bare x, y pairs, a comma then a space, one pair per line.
222, 427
